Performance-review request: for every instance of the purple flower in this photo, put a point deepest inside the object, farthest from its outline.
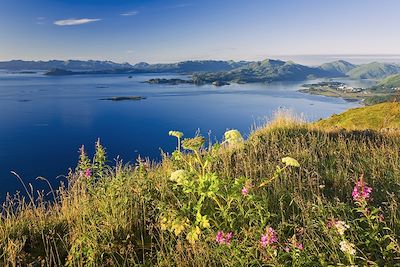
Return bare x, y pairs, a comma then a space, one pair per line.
269, 237
88, 173
331, 223
361, 192
224, 238
245, 191
220, 237
228, 238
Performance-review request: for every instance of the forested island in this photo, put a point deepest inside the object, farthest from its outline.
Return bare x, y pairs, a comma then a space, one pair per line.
221, 73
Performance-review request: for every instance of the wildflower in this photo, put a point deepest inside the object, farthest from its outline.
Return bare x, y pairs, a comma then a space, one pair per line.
179, 176
193, 235
193, 143
202, 221
224, 238
361, 192
292, 243
245, 191
163, 223
347, 247
291, 162
228, 238
177, 134
299, 246
220, 237
331, 223
233, 137
341, 227
88, 173
269, 237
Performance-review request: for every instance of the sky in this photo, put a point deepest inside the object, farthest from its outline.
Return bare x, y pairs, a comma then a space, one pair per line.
169, 31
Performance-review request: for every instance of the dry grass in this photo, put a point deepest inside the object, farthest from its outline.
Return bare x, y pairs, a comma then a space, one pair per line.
113, 221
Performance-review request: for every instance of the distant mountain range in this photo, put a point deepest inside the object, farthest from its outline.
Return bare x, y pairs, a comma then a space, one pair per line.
208, 71
73, 65
374, 70
92, 65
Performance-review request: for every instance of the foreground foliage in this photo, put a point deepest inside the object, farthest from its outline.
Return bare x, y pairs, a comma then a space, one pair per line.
290, 195
379, 117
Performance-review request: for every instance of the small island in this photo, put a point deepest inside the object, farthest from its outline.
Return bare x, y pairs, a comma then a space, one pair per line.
173, 81
124, 98
220, 83
59, 72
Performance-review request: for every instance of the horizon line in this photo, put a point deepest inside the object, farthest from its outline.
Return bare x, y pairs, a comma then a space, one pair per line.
276, 57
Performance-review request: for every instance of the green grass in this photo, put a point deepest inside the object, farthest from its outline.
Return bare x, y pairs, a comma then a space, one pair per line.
128, 215
377, 117
391, 81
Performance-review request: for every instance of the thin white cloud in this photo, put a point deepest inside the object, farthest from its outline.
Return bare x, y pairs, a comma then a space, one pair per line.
73, 22
130, 13
40, 20
181, 5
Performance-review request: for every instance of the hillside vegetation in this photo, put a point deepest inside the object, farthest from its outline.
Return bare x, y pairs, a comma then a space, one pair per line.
392, 81
377, 117
290, 195
338, 68
374, 70
264, 71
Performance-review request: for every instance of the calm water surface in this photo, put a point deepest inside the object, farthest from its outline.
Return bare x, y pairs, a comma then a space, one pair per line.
44, 120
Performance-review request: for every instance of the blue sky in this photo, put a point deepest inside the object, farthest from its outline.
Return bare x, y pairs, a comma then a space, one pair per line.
168, 31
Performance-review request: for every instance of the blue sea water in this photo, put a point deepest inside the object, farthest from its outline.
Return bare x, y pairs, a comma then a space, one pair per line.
44, 120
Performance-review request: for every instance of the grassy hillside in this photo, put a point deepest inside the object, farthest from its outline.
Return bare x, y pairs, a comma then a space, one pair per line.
284, 197
263, 71
374, 70
376, 117
338, 68
390, 82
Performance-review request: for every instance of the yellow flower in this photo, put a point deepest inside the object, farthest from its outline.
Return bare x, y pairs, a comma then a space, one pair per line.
233, 137
193, 235
194, 143
177, 134
179, 176
178, 227
163, 223
347, 247
203, 221
291, 162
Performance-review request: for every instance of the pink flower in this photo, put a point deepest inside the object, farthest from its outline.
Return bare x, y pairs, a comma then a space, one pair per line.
88, 173
223, 238
228, 238
299, 246
245, 191
220, 237
269, 237
361, 192
292, 243
331, 223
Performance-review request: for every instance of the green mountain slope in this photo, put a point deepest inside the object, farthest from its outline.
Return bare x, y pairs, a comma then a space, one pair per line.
264, 71
338, 68
390, 82
376, 117
374, 70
